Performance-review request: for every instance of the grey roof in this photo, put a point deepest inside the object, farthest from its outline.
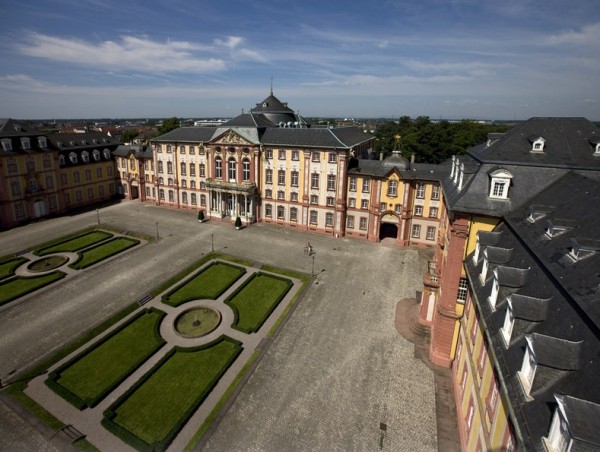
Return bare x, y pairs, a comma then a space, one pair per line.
138, 150
382, 168
583, 418
187, 134
557, 305
568, 144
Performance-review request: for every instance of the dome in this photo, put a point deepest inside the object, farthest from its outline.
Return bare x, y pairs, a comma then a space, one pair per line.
395, 160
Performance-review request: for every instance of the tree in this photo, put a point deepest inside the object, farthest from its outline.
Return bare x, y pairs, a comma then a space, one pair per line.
168, 125
128, 135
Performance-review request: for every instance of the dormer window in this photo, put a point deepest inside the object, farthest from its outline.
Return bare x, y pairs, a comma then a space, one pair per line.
499, 184
582, 248
537, 213
43, 142
61, 160
106, 153
484, 268
96, 154
537, 144
95, 141
85, 156
509, 322
528, 368
73, 157
72, 143
554, 230
558, 436
476, 252
7, 144
495, 289
596, 145
571, 425
26, 143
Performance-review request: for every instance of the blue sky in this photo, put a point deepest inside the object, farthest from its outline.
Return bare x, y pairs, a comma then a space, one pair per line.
484, 59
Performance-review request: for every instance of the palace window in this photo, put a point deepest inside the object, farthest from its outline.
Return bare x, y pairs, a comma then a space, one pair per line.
280, 213
218, 168
170, 181
281, 177
295, 177
435, 192
420, 191
202, 200
281, 155
314, 199
418, 211
192, 170
351, 202
433, 212
76, 177
7, 144
85, 157
269, 154
183, 183
295, 155
169, 167
245, 170
392, 188
294, 196
194, 199
398, 208
499, 184
96, 154
268, 210
364, 203
383, 207
350, 222
416, 231
330, 201
43, 142
182, 149
352, 186
293, 214
329, 219
50, 180
363, 224
463, 289
183, 169
168, 148
160, 166
15, 188
280, 194
314, 181
332, 157
313, 217
268, 193
231, 169
315, 156
430, 233
330, 182
192, 151
269, 176
184, 198
25, 143
73, 157
88, 174
365, 186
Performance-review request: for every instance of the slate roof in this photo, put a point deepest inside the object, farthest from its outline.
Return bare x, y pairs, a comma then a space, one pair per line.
381, 169
556, 307
138, 150
568, 144
13, 130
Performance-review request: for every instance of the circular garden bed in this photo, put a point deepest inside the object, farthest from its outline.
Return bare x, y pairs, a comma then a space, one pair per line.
197, 322
47, 263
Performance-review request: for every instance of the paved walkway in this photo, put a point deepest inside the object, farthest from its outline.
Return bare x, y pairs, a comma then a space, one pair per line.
338, 377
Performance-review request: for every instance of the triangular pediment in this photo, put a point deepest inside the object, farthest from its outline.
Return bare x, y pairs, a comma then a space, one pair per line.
231, 137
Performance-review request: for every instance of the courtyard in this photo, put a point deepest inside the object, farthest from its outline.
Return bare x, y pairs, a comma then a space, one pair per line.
337, 377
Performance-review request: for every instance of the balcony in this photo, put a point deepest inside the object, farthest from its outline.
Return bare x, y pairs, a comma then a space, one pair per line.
232, 187
432, 278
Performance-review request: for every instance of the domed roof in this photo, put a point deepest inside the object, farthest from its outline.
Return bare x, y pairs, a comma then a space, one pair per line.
277, 112
395, 160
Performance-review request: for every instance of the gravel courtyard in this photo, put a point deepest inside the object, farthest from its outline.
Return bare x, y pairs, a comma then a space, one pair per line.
338, 377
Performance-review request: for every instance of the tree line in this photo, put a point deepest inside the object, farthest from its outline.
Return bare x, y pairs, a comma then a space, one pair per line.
431, 142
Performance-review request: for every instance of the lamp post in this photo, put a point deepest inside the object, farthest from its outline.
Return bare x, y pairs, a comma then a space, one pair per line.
98, 216
157, 237
212, 242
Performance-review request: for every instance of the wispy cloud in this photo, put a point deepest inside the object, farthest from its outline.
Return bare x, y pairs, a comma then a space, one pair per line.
588, 35
130, 53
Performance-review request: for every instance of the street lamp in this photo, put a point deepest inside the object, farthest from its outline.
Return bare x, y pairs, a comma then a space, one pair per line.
98, 216
157, 231
212, 242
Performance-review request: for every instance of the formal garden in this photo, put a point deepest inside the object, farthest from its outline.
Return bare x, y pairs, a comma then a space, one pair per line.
40, 266
163, 357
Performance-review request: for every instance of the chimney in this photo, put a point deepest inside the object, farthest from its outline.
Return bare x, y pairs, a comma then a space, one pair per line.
381, 156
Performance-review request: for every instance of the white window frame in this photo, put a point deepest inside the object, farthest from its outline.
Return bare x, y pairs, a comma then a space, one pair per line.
509, 323
528, 368
392, 188
558, 439
499, 184
493, 297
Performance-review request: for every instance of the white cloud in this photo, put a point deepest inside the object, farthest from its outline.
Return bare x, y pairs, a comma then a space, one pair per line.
129, 54
589, 35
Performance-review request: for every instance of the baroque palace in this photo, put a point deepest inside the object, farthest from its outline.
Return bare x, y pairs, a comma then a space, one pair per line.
510, 299
270, 166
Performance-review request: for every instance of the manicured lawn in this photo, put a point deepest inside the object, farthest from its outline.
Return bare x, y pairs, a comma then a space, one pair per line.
256, 299
76, 243
18, 286
156, 408
8, 268
90, 376
102, 251
209, 284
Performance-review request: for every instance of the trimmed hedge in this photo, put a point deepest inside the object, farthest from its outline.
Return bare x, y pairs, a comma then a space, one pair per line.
81, 402
211, 281
173, 386
74, 243
19, 286
101, 251
7, 268
262, 301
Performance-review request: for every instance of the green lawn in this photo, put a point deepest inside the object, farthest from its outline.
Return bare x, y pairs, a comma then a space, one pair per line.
209, 284
20, 285
8, 268
76, 243
102, 251
257, 299
95, 372
156, 408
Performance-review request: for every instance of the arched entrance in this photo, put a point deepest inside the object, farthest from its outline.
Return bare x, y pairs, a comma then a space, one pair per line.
388, 230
